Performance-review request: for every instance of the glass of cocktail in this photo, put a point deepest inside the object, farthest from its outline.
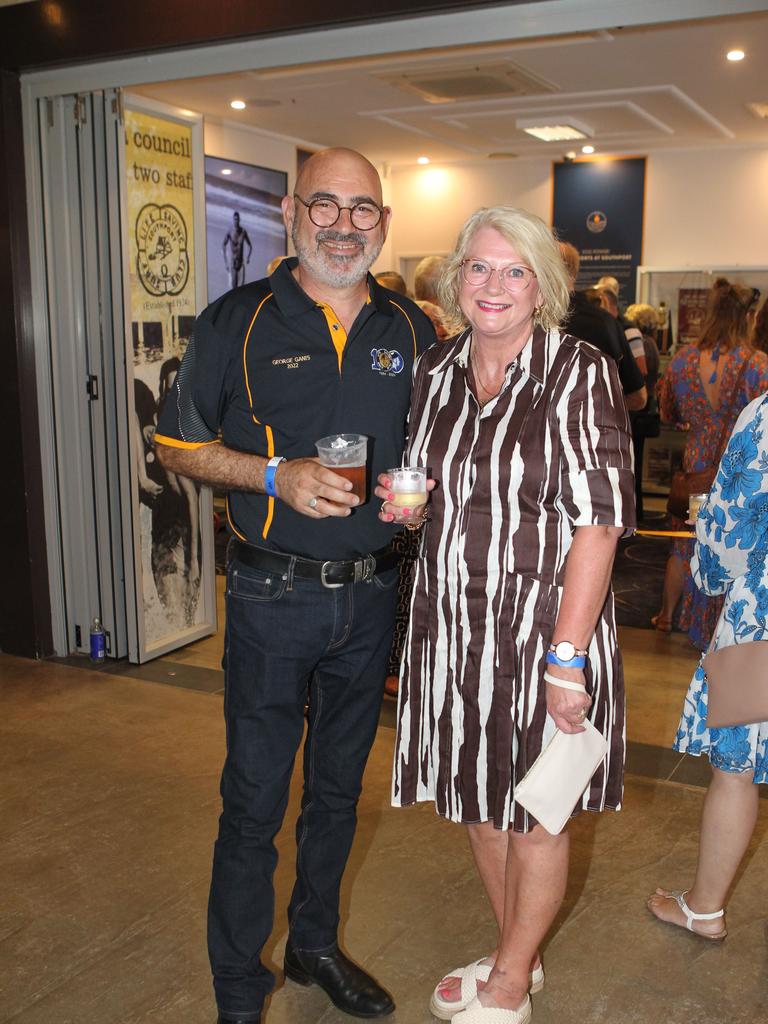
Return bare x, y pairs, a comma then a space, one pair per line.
409, 486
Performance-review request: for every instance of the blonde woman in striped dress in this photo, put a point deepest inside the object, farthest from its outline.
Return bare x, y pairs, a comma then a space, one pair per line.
524, 429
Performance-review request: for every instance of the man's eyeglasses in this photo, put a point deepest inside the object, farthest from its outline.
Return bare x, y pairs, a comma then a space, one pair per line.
325, 212
512, 278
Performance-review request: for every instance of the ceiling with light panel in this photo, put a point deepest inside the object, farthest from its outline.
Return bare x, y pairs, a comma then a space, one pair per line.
630, 90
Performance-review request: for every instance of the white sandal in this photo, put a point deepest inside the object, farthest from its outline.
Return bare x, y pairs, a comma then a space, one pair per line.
476, 1013
691, 916
446, 1009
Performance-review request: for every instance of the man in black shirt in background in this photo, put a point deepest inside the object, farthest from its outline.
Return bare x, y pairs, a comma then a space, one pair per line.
593, 324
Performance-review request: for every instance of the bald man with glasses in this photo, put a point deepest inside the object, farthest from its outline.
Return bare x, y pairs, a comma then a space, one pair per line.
318, 348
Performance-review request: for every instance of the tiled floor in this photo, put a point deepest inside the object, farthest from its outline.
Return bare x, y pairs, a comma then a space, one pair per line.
109, 805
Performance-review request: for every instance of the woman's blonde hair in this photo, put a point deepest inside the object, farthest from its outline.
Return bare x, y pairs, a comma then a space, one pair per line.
537, 247
643, 317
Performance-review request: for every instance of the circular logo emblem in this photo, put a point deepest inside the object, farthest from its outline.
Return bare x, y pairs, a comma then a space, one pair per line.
386, 361
597, 222
162, 261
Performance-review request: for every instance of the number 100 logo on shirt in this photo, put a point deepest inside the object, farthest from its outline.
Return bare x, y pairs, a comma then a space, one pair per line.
386, 361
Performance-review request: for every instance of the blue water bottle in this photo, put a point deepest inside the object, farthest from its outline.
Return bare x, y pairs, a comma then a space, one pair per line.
98, 641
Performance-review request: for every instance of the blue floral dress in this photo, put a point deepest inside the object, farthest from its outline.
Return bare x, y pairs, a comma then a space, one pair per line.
730, 559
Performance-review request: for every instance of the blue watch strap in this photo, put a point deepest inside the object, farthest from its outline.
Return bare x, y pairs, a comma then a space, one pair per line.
269, 475
578, 661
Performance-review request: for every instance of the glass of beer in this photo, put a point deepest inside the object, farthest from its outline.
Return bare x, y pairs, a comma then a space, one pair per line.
346, 455
409, 486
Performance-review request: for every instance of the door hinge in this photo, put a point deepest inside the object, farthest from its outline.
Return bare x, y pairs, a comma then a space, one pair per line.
118, 106
49, 110
92, 387
81, 110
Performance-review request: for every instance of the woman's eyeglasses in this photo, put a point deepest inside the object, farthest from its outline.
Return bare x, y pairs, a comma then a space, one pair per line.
512, 278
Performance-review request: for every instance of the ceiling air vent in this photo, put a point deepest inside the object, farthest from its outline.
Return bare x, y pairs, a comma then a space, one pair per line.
471, 82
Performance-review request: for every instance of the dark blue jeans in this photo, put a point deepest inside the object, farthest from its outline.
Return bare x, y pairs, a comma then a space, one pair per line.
286, 644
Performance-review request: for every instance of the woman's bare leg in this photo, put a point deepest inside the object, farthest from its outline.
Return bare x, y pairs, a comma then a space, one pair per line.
489, 847
728, 820
536, 877
674, 581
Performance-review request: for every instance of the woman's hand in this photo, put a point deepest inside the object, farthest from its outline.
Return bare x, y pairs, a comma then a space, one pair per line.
568, 708
391, 513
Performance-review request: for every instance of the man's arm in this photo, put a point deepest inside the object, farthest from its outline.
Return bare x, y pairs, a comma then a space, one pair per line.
632, 379
224, 246
247, 241
637, 400
296, 482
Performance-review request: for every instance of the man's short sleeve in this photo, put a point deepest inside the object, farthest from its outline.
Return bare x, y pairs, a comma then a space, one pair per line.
193, 410
630, 373
635, 339
598, 484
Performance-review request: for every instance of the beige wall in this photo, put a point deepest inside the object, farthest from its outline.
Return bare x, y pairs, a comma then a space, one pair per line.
431, 203
702, 207
708, 207
231, 142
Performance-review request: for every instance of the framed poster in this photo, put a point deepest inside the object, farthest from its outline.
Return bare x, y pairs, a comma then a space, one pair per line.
598, 206
244, 223
175, 580
691, 310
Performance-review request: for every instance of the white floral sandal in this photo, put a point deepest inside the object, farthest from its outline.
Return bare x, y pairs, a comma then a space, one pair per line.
691, 916
476, 1013
446, 1009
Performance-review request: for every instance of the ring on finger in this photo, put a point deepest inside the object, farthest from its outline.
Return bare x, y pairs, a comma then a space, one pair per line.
312, 503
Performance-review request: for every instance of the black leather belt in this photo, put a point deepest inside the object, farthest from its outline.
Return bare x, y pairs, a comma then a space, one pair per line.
330, 574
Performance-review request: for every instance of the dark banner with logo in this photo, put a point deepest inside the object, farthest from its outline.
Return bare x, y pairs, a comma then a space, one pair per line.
598, 207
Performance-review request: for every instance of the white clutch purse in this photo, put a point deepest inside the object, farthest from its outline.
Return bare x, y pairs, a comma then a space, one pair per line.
556, 780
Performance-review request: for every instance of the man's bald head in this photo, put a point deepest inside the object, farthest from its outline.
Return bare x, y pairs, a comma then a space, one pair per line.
340, 163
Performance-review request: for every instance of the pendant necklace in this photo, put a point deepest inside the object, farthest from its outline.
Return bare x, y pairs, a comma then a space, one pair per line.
480, 380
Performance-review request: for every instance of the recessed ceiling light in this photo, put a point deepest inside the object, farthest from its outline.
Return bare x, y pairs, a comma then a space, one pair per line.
559, 129
422, 160
571, 154
587, 149
237, 104
226, 170
735, 55
554, 132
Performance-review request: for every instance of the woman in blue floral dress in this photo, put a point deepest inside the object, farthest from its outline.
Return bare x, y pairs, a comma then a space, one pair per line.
704, 388
731, 558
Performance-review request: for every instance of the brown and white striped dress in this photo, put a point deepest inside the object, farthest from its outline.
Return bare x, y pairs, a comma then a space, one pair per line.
550, 453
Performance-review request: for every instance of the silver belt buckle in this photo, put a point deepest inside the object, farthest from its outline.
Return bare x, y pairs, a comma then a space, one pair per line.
365, 569
324, 581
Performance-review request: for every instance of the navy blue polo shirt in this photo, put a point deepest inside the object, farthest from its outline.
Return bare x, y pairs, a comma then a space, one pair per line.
269, 371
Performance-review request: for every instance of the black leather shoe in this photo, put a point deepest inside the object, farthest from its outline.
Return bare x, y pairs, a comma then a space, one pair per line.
226, 1019
348, 987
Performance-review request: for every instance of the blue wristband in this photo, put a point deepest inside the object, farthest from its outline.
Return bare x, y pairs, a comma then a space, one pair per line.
578, 661
269, 475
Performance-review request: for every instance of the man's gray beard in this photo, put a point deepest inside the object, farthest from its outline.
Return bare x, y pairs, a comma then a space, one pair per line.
336, 272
